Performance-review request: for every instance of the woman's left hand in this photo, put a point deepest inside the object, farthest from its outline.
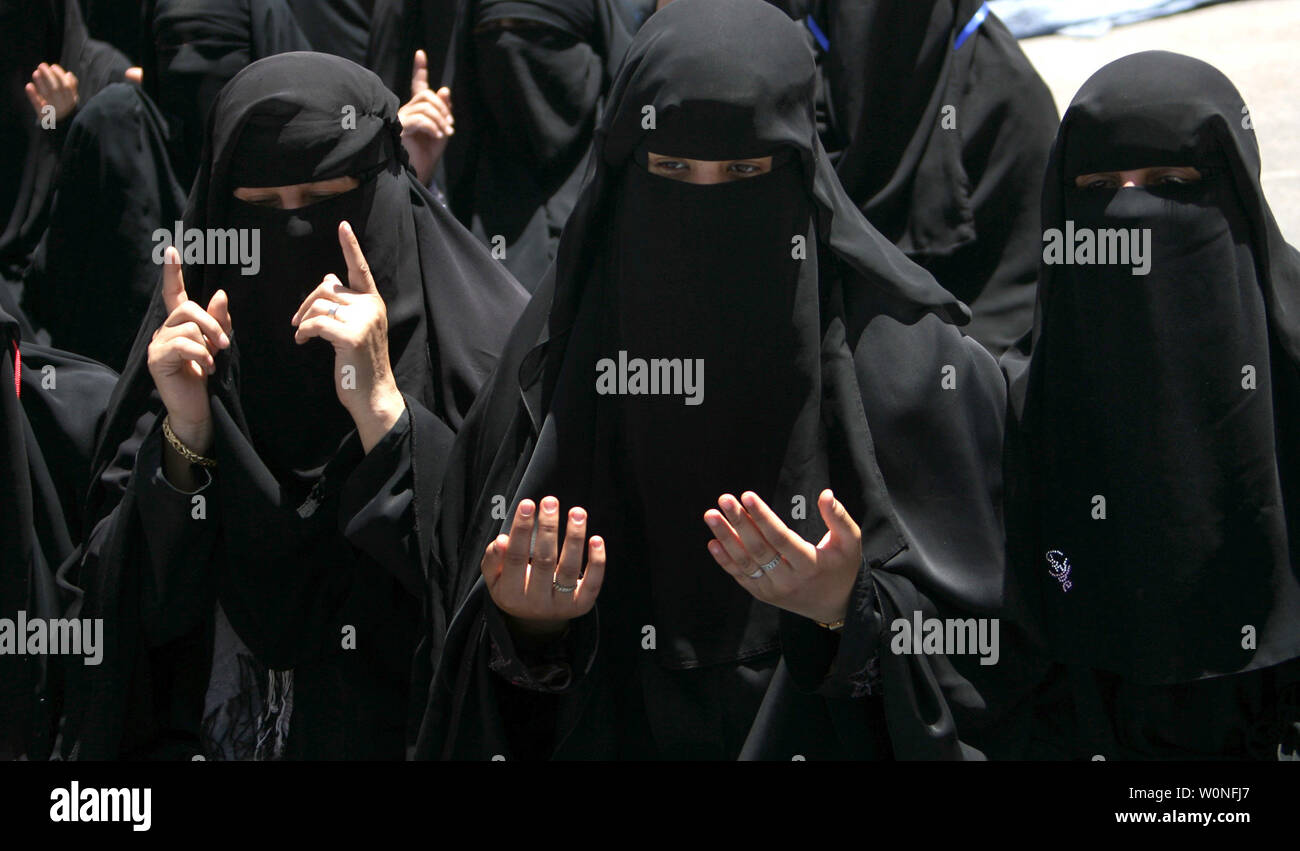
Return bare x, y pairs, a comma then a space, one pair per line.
813, 581
51, 85
355, 321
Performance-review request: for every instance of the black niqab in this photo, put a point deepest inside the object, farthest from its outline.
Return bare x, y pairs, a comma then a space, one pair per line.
1171, 394
526, 105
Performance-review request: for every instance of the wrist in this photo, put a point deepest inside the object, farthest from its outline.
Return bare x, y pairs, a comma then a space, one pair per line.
530, 630
196, 435
377, 416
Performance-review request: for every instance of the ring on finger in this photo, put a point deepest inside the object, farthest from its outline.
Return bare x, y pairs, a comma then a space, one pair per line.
563, 589
758, 574
771, 565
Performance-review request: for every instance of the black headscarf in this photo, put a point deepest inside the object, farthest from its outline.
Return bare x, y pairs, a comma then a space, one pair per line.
94, 271
526, 105
827, 366
194, 47
41, 31
447, 303
1171, 395
945, 135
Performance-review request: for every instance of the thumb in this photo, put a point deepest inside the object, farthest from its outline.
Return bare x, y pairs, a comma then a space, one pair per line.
420, 73
219, 309
173, 280
838, 522
445, 94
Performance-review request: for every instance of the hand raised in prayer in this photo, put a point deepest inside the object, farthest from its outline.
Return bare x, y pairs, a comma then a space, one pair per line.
51, 85
427, 122
813, 581
181, 355
528, 582
354, 320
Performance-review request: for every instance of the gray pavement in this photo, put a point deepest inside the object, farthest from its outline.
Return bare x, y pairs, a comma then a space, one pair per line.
1255, 42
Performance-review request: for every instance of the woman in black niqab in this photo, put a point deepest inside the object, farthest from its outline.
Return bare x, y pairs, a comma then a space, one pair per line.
305, 534
822, 368
39, 31
528, 77
1155, 484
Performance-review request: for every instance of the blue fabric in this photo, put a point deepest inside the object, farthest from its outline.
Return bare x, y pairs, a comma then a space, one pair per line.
973, 24
822, 40
1083, 17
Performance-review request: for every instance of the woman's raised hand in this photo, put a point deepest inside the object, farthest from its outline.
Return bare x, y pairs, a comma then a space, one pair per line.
777, 566
427, 121
354, 320
536, 583
51, 85
181, 355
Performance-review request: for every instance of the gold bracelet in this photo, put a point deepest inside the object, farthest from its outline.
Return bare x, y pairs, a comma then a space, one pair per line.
183, 450
833, 626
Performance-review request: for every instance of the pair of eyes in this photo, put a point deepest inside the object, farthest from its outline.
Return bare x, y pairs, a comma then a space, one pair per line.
274, 202
1170, 176
296, 195
681, 168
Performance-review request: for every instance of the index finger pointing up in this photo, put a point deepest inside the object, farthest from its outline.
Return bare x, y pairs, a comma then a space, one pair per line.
420, 73
359, 277
173, 280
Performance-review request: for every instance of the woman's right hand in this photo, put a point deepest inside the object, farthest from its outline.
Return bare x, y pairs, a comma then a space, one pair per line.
527, 589
181, 355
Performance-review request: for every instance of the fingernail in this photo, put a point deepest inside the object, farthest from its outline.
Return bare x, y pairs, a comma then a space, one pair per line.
525, 509
550, 504
713, 547
748, 499
711, 520
578, 515
225, 341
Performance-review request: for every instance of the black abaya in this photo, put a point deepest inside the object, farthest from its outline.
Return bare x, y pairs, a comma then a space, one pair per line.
44, 31
1154, 472
945, 133
94, 270
854, 401
305, 538
49, 421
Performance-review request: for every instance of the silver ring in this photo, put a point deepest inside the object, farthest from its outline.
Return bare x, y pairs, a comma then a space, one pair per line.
563, 589
771, 565
334, 308
758, 574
